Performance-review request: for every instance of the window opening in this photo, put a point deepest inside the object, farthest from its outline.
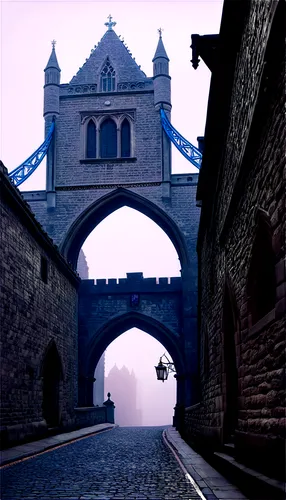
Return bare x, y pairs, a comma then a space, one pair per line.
107, 80
262, 285
108, 139
91, 140
44, 269
125, 139
206, 359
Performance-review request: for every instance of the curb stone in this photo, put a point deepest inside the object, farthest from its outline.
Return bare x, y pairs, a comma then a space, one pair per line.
212, 485
21, 452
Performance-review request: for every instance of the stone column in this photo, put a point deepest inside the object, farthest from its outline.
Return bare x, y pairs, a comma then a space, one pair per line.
50, 175
178, 419
109, 409
190, 335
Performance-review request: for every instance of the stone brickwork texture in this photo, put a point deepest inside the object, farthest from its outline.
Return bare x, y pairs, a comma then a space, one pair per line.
108, 308
98, 304
81, 191
32, 314
251, 178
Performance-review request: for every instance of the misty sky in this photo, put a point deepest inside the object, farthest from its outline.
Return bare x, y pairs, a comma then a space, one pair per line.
126, 241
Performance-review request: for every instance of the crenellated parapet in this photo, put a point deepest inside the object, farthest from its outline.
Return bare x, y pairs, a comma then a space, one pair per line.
133, 283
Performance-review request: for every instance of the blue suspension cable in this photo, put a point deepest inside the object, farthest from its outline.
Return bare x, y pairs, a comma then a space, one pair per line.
21, 173
189, 151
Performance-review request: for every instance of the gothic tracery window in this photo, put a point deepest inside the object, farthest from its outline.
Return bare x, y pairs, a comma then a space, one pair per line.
108, 139
91, 140
125, 139
107, 78
107, 136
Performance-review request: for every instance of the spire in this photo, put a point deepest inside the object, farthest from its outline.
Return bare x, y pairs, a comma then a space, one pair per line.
160, 51
53, 62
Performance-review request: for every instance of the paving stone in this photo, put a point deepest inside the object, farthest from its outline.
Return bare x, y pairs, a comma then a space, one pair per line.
124, 464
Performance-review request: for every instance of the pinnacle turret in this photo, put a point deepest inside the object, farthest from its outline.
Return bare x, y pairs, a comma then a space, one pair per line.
53, 62
51, 87
161, 78
160, 51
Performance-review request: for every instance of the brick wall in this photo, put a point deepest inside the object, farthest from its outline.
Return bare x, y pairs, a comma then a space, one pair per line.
147, 141
33, 313
250, 182
101, 302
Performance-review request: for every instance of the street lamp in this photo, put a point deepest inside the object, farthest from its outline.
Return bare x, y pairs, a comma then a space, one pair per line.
163, 368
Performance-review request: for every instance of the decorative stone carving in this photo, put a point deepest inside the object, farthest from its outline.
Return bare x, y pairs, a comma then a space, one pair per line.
82, 89
133, 85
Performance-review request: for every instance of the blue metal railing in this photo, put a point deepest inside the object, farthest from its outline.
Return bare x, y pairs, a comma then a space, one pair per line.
189, 151
21, 173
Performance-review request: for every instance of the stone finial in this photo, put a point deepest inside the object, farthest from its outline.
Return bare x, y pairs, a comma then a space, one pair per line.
109, 402
110, 23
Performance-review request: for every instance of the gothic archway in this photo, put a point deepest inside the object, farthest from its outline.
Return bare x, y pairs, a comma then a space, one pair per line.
109, 332
52, 375
100, 209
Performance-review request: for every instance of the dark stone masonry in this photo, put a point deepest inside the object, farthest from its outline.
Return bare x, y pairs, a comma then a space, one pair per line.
38, 317
223, 320
241, 243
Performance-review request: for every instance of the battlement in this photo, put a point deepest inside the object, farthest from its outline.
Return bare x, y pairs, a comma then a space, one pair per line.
133, 283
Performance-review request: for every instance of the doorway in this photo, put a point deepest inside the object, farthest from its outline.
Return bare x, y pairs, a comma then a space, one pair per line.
52, 376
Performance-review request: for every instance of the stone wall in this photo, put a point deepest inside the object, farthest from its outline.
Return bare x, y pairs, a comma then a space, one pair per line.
101, 302
85, 417
36, 309
146, 163
249, 190
71, 202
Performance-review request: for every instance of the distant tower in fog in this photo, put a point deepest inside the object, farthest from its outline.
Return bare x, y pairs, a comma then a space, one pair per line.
123, 386
82, 267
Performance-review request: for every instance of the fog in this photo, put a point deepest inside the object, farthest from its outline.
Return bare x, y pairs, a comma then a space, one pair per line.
128, 241
139, 351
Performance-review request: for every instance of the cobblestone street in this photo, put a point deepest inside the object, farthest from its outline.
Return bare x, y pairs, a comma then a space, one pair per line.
125, 463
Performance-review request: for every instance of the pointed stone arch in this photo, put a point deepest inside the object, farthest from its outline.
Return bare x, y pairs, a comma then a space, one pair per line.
123, 322
112, 329
100, 209
261, 281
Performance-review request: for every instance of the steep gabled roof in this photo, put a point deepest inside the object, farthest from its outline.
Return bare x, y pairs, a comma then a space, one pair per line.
111, 46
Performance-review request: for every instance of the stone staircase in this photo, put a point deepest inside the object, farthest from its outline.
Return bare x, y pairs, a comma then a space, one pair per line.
254, 484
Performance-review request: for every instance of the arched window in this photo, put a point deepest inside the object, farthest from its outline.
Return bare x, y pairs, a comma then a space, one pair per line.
108, 139
125, 139
107, 78
261, 279
91, 140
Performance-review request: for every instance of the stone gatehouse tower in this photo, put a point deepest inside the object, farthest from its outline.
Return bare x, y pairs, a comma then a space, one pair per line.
110, 150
